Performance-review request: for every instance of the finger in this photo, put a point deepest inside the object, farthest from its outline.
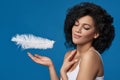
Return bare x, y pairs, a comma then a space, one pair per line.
35, 59
73, 62
32, 57
72, 54
38, 56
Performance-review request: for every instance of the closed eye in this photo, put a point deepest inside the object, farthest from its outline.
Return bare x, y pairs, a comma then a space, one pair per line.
86, 26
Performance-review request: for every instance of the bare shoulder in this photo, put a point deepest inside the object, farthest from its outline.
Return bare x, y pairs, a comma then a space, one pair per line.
89, 66
91, 57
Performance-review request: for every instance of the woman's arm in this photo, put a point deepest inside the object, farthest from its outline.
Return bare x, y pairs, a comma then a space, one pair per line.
88, 67
63, 75
46, 62
53, 74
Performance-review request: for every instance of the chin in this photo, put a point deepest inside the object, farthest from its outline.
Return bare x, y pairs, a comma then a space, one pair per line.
76, 42
79, 42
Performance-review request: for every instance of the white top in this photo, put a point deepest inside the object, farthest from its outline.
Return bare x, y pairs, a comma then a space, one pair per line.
73, 74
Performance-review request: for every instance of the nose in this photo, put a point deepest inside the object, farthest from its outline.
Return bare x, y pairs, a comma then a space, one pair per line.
79, 29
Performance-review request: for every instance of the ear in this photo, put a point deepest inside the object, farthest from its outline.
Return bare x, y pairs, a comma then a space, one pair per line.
96, 35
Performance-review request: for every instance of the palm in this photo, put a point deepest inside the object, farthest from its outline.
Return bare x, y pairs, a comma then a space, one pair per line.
40, 59
44, 60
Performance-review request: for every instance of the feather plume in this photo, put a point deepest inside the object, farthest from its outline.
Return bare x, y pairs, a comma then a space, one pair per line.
31, 41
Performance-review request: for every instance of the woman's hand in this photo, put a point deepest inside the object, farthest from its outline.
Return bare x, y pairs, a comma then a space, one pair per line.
69, 61
46, 62
41, 59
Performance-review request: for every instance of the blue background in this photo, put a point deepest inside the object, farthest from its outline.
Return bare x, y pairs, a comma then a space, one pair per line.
45, 18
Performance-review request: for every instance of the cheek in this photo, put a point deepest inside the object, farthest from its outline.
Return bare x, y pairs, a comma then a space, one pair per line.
89, 34
73, 30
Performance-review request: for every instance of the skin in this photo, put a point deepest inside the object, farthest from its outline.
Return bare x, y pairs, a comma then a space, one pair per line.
83, 34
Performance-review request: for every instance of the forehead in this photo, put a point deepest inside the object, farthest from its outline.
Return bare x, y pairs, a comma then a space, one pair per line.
86, 20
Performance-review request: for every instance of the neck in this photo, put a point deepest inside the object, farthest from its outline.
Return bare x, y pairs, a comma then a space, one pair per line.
83, 48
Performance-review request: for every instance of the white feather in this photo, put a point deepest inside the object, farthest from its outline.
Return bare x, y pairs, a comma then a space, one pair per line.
31, 41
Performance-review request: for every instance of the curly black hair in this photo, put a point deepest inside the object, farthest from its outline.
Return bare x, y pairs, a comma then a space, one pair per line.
103, 24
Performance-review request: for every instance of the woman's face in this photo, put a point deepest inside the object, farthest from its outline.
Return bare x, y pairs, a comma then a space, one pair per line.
83, 31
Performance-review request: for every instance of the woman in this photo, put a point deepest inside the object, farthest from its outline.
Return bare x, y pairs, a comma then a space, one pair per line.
88, 28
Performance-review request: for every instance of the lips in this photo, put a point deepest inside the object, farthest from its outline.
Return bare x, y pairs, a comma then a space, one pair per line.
76, 36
